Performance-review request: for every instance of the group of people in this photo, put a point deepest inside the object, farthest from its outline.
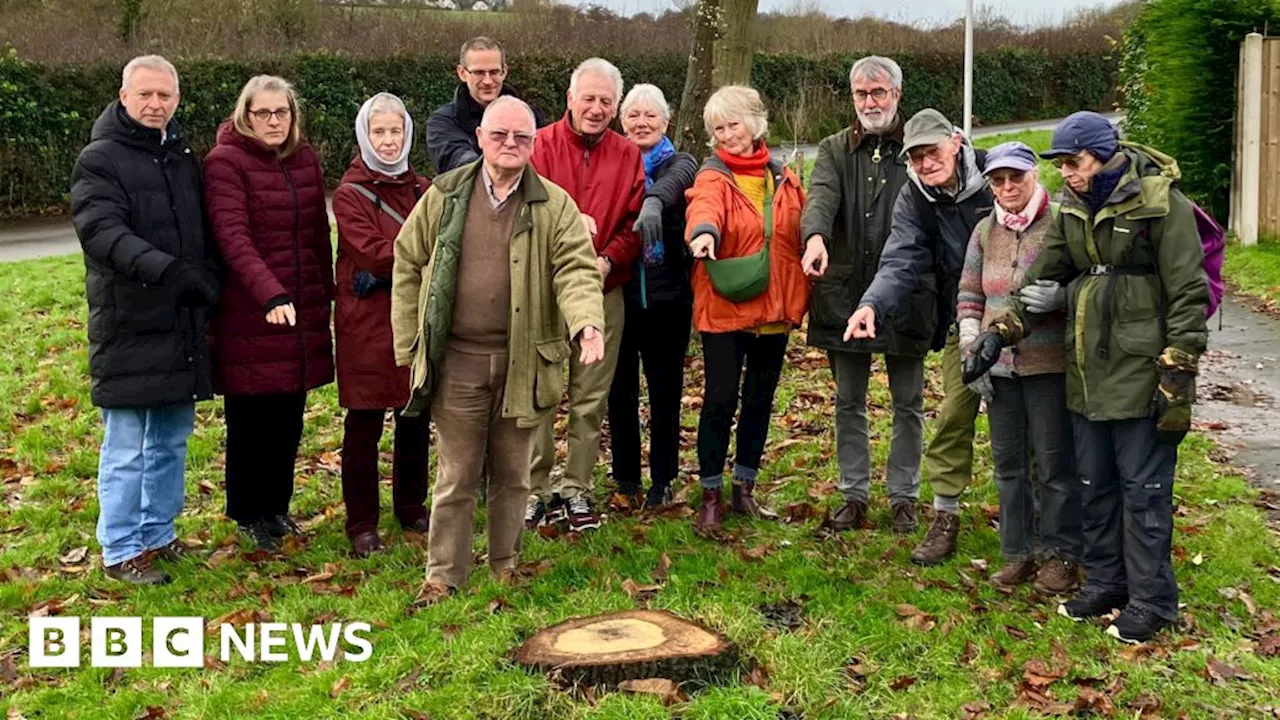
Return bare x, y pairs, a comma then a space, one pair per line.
459, 301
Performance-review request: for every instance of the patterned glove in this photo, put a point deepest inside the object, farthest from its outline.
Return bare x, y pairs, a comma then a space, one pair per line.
1171, 404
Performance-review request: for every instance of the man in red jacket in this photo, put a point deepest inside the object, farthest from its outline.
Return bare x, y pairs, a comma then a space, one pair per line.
604, 174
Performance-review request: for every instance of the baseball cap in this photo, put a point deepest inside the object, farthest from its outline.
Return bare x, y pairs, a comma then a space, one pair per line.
1081, 131
927, 127
1012, 155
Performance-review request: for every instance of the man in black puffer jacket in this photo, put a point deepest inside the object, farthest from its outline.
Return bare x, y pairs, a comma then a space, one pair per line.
150, 278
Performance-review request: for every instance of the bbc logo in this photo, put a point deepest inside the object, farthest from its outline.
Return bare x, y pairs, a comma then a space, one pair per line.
178, 642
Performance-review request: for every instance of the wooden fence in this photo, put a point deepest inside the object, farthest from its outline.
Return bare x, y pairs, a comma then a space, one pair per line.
1255, 185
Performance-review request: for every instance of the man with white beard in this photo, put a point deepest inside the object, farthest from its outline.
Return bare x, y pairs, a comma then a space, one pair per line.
846, 220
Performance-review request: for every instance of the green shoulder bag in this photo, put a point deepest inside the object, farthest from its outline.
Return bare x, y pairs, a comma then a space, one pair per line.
739, 279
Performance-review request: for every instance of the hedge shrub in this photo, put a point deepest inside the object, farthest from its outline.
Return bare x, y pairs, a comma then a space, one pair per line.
46, 112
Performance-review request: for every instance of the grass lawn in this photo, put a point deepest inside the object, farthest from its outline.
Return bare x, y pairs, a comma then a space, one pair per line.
828, 627
1255, 271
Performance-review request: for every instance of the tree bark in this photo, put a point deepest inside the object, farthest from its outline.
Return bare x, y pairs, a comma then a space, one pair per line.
691, 135
735, 45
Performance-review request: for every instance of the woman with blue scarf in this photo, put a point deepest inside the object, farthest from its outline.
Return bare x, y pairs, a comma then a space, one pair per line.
659, 310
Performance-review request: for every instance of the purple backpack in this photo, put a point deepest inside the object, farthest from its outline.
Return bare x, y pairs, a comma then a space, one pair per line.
1213, 240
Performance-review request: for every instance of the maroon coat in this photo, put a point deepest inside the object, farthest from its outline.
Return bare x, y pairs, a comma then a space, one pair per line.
269, 218
368, 378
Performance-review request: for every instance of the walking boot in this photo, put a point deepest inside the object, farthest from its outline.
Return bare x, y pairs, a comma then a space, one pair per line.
743, 502
849, 516
940, 542
710, 517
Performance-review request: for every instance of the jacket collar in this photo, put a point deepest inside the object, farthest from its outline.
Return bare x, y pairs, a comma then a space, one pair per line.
775, 168
115, 124
458, 182
859, 135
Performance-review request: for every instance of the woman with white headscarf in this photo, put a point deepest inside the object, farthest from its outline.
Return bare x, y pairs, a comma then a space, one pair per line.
377, 193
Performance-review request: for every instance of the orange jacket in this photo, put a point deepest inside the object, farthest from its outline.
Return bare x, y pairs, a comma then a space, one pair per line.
717, 206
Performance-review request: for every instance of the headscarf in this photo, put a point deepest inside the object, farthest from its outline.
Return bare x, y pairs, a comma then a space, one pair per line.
655, 156
370, 156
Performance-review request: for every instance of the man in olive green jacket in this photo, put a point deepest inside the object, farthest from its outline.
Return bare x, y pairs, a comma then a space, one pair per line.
1127, 243
490, 267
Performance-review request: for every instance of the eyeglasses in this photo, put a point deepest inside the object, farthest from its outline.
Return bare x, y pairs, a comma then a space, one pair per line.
1071, 162
1014, 178
495, 74
265, 115
919, 155
878, 94
523, 140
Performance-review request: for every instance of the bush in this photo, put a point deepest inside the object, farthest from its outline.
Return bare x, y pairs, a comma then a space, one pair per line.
1178, 74
47, 111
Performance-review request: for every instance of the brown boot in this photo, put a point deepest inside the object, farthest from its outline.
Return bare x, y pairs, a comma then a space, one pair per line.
1015, 573
904, 518
743, 502
940, 542
710, 517
850, 516
1058, 577
366, 543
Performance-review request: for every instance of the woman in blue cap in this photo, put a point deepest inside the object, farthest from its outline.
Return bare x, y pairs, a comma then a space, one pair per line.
1126, 243
1026, 388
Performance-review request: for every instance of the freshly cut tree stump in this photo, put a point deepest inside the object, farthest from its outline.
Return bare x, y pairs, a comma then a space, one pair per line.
632, 645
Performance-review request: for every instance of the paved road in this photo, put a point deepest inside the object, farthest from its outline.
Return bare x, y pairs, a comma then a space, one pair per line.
26, 239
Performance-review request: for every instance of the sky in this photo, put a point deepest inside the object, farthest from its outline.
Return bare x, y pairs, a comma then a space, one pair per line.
1032, 12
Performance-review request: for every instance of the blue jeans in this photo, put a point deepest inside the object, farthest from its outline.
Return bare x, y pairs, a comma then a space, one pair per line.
140, 478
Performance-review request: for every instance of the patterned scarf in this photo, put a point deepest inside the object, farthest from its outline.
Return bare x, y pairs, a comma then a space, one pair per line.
654, 158
1020, 221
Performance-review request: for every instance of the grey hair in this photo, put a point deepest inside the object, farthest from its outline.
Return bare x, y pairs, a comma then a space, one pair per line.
736, 102
646, 94
504, 101
385, 102
151, 62
875, 66
596, 66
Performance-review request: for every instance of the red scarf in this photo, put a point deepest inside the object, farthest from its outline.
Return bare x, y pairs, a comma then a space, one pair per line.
752, 165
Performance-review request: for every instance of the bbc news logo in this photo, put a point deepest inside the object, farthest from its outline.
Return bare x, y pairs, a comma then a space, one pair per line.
179, 642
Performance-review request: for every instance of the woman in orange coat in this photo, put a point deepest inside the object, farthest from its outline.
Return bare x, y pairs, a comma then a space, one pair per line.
742, 203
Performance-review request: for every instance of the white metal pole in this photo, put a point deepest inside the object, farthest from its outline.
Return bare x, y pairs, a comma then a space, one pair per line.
968, 68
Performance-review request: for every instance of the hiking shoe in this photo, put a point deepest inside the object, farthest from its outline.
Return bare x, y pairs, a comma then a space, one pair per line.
535, 513
260, 533
1058, 577
175, 551
1136, 625
742, 500
1015, 573
1091, 603
658, 496
282, 525
940, 542
849, 516
137, 571
432, 592
710, 518
366, 543
582, 515
422, 525
905, 521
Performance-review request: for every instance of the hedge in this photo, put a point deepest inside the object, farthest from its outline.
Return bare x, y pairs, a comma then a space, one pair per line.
46, 112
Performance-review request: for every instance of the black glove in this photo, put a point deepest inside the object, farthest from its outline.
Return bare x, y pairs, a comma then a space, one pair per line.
984, 351
192, 284
365, 282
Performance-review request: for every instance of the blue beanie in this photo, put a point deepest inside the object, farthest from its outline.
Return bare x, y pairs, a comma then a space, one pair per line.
1084, 130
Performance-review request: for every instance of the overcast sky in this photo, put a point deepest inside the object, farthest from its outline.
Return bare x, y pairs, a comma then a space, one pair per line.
1020, 11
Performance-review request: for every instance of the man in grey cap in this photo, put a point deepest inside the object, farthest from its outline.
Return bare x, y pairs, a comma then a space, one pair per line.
933, 217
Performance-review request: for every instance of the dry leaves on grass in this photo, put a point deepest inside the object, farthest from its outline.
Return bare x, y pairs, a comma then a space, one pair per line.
902, 683
1218, 672
974, 710
1038, 674
74, 556
639, 592
1093, 701
154, 712
913, 618
339, 686
664, 567
665, 690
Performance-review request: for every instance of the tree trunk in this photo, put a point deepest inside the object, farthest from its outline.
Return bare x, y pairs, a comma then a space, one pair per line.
691, 135
735, 45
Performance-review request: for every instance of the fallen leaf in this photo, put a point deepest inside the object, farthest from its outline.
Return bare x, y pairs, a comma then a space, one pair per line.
902, 683
1269, 646
1015, 632
978, 564
340, 687
974, 710
756, 553
639, 592
221, 556
1219, 672
664, 566
1198, 559
905, 611
923, 623
75, 557
408, 682
1039, 675
14, 714
115, 677
1093, 701
207, 487
154, 712
799, 512
409, 714
970, 653
758, 676
498, 604
664, 689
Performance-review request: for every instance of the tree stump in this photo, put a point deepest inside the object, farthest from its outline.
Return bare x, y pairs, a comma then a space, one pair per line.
632, 645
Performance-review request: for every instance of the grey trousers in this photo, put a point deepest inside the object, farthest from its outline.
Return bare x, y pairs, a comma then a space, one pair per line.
853, 448
1025, 413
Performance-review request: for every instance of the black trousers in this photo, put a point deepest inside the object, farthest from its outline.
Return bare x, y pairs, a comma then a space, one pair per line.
725, 355
658, 338
263, 432
1127, 501
362, 430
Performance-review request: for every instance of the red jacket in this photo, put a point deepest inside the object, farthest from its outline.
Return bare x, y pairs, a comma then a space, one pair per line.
368, 378
607, 183
269, 219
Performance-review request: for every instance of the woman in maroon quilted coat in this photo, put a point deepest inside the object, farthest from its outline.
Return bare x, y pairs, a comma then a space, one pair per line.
265, 193
377, 193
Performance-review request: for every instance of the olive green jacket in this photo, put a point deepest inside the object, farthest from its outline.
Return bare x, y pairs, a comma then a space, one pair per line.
554, 282
1136, 285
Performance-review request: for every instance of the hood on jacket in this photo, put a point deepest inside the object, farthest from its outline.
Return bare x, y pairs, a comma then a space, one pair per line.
971, 180
1151, 174
228, 135
115, 124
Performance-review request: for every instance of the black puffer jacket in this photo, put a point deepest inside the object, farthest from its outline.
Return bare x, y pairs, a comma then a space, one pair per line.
668, 282
138, 206
451, 129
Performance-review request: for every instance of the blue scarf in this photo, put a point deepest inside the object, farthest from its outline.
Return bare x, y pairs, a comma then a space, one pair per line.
657, 155
1103, 184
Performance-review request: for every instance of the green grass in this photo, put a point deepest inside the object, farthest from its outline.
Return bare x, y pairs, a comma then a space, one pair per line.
1255, 270
453, 660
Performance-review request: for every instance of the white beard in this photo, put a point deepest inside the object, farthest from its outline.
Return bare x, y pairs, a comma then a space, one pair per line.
876, 124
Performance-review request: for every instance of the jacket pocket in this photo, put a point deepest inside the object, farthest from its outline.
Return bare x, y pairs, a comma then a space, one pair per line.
918, 317
1139, 337
832, 299
143, 308
548, 382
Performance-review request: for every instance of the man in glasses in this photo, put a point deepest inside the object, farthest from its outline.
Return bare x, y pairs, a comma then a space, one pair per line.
605, 175
507, 265
856, 180
933, 218
451, 130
